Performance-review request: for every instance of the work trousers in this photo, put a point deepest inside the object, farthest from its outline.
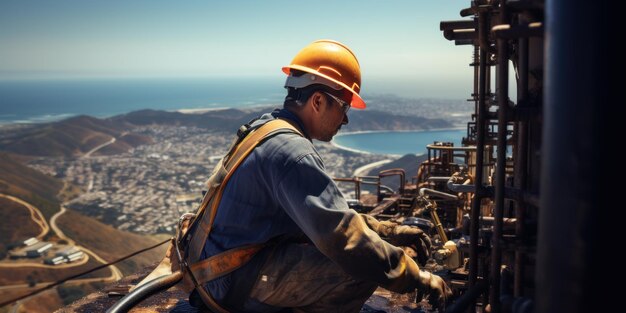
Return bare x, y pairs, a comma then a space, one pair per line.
300, 277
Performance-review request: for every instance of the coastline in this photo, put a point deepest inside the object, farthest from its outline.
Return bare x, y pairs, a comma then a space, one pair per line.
250, 108
397, 131
336, 145
199, 110
367, 167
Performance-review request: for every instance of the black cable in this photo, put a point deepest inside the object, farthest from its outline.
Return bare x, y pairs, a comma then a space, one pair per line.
83, 273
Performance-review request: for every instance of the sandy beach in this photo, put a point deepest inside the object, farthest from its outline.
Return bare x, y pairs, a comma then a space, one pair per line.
367, 167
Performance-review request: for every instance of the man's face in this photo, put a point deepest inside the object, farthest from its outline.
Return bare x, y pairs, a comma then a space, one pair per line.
333, 116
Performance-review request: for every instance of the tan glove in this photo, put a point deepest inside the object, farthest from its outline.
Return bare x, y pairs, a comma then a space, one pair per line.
435, 289
402, 235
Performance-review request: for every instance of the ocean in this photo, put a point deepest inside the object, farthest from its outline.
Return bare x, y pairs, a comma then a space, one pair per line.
397, 142
33, 101
27, 101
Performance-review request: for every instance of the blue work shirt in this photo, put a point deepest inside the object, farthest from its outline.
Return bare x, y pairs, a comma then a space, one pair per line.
249, 211
282, 189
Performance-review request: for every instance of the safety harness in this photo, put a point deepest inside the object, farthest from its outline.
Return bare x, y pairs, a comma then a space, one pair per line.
189, 244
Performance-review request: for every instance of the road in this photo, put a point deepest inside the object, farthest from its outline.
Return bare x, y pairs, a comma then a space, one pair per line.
115, 272
35, 214
88, 154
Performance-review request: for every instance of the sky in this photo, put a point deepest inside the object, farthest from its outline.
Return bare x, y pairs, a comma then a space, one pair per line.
398, 43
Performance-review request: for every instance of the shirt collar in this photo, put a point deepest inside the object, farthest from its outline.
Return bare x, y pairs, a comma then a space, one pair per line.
286, 114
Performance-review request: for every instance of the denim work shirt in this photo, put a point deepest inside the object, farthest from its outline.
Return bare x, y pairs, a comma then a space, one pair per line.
282, 189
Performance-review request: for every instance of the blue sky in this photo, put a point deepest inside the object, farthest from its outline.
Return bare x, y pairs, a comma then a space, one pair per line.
398, 43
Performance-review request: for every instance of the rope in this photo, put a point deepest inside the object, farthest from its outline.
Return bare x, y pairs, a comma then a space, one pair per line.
58, 282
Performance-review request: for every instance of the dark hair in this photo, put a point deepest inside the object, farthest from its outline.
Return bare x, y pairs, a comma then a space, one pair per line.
297, 97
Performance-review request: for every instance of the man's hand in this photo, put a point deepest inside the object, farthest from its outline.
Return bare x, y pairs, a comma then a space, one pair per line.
413, 237
437, 291
402, 235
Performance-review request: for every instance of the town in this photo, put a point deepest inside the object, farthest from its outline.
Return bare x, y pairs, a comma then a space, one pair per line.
146, 189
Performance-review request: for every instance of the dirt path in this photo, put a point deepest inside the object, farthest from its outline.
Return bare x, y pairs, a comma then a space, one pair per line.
88, 154
36, 215
115, 272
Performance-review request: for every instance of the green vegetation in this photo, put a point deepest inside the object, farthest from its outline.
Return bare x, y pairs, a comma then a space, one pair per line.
69, 294
32, 281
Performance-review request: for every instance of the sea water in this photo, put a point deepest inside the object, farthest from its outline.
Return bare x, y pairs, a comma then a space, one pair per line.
398, 142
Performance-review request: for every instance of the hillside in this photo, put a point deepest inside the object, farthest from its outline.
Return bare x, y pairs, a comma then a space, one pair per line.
71, 137
109, 242
77, 136
30, 185
409, 163
215, 120
379, 120
230, 119
11, 214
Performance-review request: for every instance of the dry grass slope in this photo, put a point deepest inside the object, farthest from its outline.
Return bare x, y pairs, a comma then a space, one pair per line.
30, 185
109, 242
12, 214
70, 138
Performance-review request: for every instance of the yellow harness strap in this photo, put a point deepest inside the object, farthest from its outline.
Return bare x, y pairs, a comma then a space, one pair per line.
223, 263
200, 272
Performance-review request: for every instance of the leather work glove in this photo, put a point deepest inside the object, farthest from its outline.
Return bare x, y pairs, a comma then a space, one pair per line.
413, 237
402, 235
435, 289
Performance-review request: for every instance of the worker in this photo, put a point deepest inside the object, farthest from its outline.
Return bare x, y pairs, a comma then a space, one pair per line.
317, 255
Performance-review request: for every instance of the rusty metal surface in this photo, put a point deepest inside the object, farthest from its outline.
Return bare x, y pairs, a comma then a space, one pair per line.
174, 300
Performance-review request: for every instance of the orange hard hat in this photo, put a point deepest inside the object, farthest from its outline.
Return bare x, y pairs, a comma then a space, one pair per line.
334, 63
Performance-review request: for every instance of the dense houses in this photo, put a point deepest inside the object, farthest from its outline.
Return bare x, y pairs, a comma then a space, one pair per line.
148, 188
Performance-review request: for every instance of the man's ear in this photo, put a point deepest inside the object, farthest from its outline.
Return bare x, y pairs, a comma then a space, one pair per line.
316, 101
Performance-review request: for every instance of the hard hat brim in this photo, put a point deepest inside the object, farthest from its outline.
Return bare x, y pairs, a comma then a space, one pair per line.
357, 102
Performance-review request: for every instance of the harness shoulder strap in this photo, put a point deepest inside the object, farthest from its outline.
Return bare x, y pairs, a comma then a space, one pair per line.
221, 264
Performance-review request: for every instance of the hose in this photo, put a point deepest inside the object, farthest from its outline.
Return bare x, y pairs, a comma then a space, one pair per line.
144, 291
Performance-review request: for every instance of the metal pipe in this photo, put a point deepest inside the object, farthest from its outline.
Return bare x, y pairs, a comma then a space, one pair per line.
468, 299
436, 147
502, 90
144, 291
574, 158
393, 172
458, 24
519, 31
480, 149
521, 163
464, 42
476, 79
357, 185
423, 192
460, 187
460, 34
